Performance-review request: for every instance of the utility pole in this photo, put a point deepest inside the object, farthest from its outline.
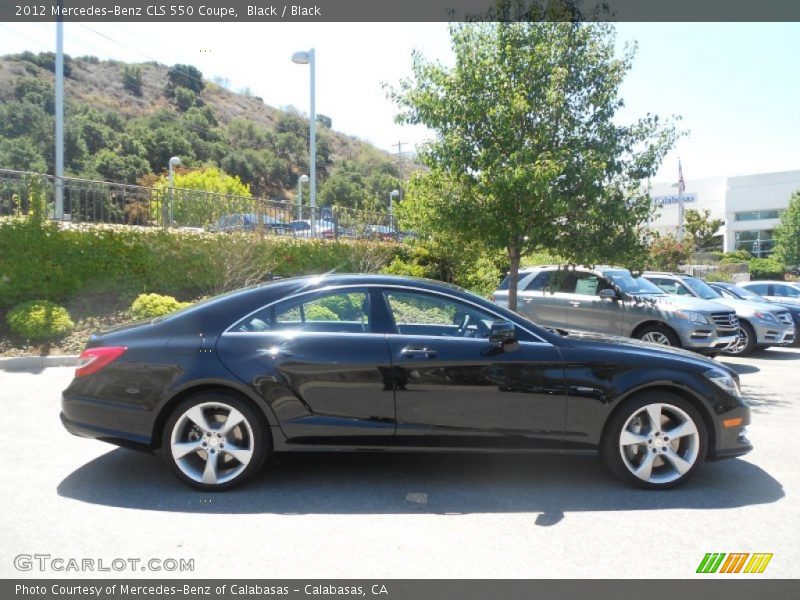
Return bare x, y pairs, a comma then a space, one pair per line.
58, 188
400, 158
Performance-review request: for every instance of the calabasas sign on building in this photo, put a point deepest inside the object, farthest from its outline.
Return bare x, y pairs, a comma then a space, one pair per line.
674, 199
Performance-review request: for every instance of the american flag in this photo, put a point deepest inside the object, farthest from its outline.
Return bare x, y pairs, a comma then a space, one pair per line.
681, 182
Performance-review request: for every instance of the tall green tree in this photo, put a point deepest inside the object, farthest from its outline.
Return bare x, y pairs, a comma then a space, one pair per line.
528, 151
787, 234
701, 229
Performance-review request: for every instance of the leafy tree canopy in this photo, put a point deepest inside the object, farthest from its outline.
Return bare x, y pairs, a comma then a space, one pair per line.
701, 229
528, 153
787, 234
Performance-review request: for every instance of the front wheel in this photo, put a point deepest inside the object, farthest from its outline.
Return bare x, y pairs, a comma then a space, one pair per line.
658, 334
214, 441
655, 441
745, 343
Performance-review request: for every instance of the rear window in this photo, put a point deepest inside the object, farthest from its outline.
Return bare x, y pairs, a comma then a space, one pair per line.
504, 284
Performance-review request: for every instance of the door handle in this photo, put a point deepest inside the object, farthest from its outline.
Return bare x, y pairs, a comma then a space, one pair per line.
574, 303
418, 352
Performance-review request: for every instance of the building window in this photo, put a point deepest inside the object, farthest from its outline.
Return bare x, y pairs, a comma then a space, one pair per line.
755, 215
758, 242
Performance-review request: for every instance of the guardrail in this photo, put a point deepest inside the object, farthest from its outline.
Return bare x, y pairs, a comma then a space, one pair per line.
87, 201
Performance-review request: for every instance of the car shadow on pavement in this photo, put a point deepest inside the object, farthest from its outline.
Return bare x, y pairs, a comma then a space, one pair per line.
777, 354
740, 368
549, 486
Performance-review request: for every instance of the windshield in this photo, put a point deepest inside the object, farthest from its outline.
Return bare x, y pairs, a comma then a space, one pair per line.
745, 293
701, 288
637, 286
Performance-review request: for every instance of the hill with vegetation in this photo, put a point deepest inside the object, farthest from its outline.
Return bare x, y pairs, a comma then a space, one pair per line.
124, 121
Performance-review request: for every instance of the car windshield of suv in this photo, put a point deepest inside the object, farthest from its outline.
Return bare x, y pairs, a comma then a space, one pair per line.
701, 288
636, 286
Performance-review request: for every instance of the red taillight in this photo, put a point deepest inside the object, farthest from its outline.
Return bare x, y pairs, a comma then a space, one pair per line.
94, 359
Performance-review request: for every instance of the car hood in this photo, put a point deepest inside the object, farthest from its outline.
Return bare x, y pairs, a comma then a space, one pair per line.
747, 307
638, 346
787, 302
686, 302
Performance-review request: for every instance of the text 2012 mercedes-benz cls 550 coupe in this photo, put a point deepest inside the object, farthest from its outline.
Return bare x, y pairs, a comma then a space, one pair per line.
369, 362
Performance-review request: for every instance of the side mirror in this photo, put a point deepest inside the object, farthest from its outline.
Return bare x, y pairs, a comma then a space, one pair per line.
504, 335
608, 294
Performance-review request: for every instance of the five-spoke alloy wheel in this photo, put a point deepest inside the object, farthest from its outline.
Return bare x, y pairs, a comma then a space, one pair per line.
655, 441
658, 334
214, 441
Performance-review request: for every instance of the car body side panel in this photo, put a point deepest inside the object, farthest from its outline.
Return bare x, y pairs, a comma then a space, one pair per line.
320, 386
472, 393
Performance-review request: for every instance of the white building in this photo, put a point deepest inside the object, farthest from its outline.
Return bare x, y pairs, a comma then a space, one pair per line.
750, 207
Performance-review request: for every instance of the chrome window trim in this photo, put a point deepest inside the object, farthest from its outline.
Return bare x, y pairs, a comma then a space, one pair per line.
379, 286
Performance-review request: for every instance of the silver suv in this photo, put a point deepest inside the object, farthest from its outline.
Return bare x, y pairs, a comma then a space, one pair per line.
760, 324
609, 300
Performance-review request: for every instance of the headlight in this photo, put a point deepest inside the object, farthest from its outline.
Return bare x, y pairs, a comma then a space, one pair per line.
725, 380
694, 317
766, 316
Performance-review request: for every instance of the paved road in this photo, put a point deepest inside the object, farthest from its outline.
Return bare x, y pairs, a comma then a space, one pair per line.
400, 516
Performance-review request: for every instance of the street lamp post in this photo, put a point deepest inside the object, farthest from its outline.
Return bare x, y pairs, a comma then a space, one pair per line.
173, 162
307, 57
394, 194
300, 181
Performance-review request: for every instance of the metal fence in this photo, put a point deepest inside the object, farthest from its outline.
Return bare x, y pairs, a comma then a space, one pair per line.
87, 201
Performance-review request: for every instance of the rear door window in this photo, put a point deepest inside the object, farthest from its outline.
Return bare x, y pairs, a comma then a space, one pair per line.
343, 311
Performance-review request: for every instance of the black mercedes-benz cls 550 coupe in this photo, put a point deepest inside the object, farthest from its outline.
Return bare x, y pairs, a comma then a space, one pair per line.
371, 362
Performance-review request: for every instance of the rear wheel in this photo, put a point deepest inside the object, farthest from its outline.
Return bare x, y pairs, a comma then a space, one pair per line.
658, 334
745, 343
214, 441
655, 441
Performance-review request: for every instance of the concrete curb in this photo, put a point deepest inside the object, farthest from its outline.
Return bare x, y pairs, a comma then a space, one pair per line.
26, 363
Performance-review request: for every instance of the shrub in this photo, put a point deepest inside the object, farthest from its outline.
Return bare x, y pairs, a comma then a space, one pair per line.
148, 306
719, 276
736, 257
40, 320
766, 268
132, 79
317, 312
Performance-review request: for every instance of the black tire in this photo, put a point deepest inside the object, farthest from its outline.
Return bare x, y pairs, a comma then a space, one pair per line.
623, 459
746, 343
248, 438
654, 331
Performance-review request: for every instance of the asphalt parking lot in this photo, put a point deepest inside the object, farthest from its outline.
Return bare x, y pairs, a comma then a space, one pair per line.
399, 516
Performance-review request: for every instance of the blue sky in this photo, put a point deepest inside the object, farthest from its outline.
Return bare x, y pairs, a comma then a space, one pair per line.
737, 86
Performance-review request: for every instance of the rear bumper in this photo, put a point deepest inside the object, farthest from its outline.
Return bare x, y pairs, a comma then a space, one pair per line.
118, 438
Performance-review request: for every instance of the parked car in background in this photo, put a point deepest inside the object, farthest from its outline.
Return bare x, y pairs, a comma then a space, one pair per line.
609, 300
247, 222
380, 363
776, 291
760, 323
303, 228
380, 232
743, 293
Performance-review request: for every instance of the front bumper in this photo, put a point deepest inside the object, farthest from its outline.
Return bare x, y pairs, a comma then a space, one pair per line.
731, 441
773, 334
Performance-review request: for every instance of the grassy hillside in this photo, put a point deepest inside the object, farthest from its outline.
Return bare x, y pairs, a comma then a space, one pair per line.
124, 121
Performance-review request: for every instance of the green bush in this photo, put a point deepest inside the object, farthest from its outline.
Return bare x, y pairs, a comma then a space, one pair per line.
766, 268
40, 320
736, 257
719, 276
317, 312
148, 306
